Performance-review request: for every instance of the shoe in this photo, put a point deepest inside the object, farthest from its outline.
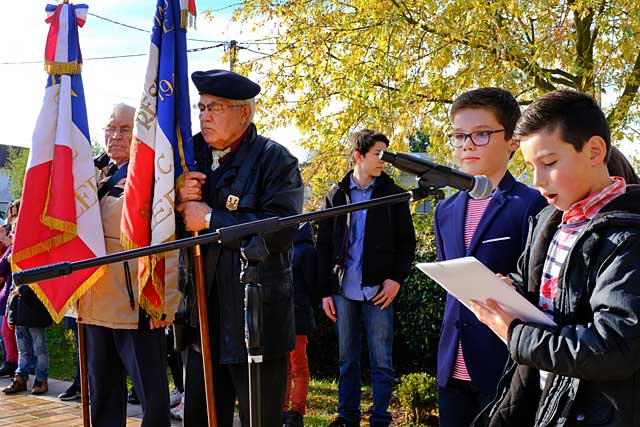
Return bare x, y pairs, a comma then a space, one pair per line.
342, 422
72, 393
174, 397
132, 398
8, 369
40, 387
18, 384
294, 419
178, 412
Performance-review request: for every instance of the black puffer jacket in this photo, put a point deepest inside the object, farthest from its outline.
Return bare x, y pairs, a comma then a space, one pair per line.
304, 278
272, 189
389, 239
594, 351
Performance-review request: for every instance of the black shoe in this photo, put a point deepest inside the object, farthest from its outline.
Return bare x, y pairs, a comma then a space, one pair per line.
72, 393
133, 398
341, 422
8, 369
294, 419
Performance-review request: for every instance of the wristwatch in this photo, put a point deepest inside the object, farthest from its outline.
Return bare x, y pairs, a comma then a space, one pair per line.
207, 219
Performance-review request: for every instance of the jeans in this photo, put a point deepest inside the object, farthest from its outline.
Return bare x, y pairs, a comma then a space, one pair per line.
460, 402
31, 342
378, 326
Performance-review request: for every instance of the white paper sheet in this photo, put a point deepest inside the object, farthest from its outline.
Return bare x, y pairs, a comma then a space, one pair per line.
467, 279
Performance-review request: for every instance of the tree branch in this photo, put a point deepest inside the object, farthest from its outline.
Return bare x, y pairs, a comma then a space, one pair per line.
619, 113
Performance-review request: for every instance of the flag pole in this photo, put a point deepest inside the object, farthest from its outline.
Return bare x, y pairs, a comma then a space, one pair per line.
205, 342
84, 384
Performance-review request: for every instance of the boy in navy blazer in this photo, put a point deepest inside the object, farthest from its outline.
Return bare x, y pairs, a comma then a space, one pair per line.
471, 357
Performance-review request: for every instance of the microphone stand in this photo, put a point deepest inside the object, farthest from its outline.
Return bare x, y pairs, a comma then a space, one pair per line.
254, 251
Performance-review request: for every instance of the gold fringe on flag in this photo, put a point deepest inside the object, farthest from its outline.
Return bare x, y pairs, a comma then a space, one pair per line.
148, 274
187, 19
58, 68
56, 315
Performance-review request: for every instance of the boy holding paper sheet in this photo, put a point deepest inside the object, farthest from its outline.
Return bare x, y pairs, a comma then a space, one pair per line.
580, 267
471, 358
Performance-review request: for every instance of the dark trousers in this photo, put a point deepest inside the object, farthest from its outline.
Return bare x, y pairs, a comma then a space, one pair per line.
231, 381
174, 360
114, 353
460, 402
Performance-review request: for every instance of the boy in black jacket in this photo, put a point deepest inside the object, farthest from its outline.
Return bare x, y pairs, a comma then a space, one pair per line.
581, 268
363, 258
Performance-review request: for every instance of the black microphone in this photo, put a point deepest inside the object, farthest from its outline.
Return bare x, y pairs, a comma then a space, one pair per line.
479, 187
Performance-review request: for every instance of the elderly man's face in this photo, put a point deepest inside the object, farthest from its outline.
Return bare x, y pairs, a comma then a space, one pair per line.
221, 122
118, 134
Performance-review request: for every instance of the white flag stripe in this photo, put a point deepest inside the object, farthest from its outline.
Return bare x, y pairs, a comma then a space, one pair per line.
62, 46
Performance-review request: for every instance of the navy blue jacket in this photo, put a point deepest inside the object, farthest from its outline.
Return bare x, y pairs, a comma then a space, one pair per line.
304, 278
498, 242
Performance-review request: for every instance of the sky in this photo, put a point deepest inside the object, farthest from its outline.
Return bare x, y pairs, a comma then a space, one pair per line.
108, 81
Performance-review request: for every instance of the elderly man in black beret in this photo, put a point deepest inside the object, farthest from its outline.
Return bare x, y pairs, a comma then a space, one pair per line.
242, 176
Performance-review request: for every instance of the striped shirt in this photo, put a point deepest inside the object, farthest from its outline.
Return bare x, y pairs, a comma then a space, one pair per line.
574, 220
475, 210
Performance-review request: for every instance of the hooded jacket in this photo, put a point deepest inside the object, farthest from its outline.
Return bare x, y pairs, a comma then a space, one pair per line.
593, 353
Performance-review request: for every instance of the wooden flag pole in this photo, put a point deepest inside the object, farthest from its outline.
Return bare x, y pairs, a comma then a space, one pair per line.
84, 384
205, 342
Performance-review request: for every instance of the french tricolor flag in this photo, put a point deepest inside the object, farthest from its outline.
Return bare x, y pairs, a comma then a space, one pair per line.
60, 210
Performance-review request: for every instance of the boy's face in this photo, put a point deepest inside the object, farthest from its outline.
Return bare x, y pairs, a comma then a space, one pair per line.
370, 164
490, 159
563, 175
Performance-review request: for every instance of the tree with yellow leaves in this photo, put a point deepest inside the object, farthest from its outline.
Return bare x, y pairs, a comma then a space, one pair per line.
396, 65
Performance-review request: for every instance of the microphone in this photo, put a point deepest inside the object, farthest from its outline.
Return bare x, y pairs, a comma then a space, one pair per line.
479, 187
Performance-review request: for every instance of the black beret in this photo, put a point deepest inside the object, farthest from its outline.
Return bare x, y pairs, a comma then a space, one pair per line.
225, 84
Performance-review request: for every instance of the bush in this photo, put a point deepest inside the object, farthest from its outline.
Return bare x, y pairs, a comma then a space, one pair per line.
418, 395
418, 309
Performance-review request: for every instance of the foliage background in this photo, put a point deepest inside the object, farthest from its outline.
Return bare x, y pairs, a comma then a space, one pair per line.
329, 66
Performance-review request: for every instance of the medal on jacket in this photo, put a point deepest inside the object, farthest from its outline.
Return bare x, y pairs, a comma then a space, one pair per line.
232, 202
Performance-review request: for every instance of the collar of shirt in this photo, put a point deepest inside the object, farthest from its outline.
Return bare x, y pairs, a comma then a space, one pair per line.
588, 207
354, 185
233, 148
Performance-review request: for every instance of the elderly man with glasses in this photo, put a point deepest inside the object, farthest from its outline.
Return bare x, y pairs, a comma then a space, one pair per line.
121, 337
241, 176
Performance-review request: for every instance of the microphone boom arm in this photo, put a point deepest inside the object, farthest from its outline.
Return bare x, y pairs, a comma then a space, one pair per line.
221, 235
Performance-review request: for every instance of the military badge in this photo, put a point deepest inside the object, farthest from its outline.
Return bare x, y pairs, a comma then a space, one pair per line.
232, 202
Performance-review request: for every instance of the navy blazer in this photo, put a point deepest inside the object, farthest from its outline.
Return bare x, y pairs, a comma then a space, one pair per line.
498, 241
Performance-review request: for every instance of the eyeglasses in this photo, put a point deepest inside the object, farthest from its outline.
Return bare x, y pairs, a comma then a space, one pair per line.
478, 138
215, 108
110, 130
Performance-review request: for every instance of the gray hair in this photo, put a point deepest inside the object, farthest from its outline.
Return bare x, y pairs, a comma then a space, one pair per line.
250, 102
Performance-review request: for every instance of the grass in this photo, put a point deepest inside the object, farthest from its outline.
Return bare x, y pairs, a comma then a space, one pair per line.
62, 360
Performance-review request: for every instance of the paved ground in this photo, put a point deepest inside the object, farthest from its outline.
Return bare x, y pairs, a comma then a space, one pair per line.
25, 409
